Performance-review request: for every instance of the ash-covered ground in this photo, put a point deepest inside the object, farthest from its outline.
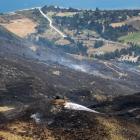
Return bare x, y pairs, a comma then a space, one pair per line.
31, 78
28, 86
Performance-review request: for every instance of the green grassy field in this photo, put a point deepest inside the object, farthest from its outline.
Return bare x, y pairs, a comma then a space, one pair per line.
134, 38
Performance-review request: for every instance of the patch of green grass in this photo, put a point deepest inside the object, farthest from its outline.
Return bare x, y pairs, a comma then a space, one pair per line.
134, 38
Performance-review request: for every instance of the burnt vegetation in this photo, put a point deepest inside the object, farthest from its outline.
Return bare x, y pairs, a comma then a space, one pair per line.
29, 83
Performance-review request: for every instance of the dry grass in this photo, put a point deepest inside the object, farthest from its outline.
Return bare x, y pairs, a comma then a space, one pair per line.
70, 32
119, 24
132, 37
100, 98
21, 27
10, 136
67, 14
105, 48
62, 42
113, 128
24, 131
135, 18
50, 34
120, 130
105, 129
79, 57
61, 14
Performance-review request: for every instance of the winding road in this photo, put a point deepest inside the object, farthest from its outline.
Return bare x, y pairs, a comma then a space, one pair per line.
51, 25
64, 36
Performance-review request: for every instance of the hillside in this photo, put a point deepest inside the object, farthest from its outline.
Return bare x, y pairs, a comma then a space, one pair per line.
133, 37
96, 32
42, 72
28, 88
9, 41
7, 35
95, 35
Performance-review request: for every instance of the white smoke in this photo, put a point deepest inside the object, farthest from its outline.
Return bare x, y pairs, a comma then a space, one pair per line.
79, 67
36, 117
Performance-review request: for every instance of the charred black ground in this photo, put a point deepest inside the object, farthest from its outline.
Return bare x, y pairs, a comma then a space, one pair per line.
30, 80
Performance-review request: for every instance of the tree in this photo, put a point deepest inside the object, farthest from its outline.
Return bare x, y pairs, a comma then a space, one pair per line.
98, 44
